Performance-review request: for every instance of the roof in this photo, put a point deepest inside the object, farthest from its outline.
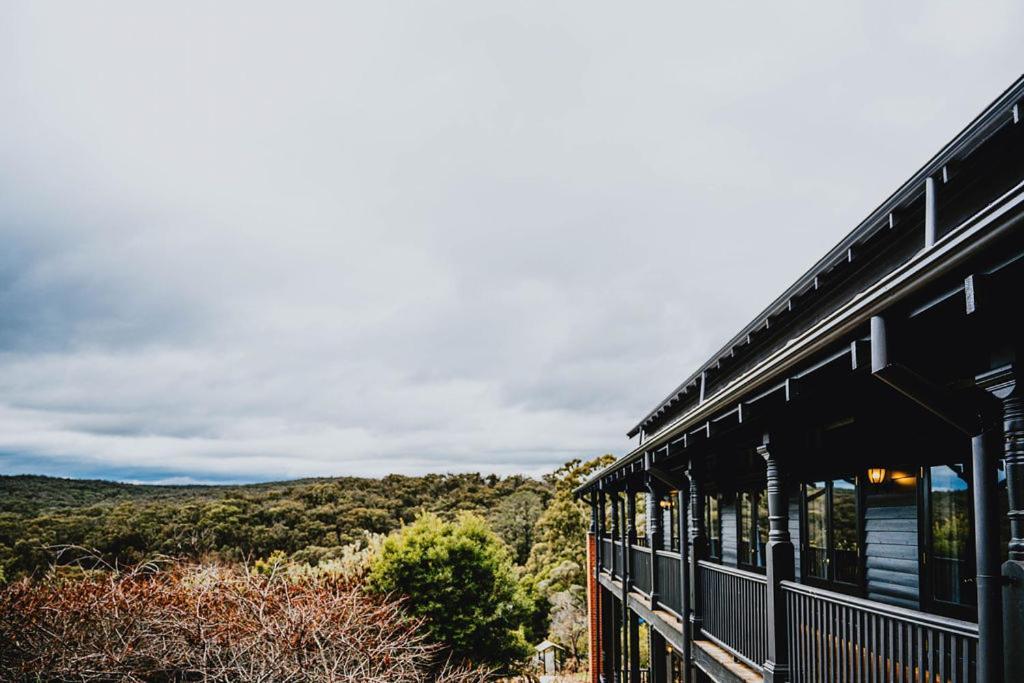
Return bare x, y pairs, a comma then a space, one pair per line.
547, 645
1004, 110
671, 422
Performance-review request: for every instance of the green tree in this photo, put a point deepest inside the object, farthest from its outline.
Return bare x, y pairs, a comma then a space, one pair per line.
459, 578
557, 559
514, 519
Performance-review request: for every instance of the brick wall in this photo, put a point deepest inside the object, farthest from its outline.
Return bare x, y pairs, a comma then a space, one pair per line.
593, 611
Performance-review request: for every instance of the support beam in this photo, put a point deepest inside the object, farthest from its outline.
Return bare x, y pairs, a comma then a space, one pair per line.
780, 564
673, 481
962, 411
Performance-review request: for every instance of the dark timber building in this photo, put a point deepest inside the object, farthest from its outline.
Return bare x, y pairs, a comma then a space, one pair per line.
838, 493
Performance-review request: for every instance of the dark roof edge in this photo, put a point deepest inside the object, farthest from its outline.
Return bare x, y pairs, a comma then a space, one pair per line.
980, 128
954, 248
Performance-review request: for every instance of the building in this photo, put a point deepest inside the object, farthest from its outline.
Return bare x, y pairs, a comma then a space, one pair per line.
838, 493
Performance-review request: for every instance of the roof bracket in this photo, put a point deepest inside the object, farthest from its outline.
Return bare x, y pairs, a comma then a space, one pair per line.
963, 410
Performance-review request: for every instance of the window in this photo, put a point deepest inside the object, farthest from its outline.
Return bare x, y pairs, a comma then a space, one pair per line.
752, 528
950, 561
713, 526
831, 547
640, 520
670, 520
949, 568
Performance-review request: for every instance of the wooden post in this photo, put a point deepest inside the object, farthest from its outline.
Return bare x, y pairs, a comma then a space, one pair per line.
779, 566
593, 592
617, 642
698, 549
1013, 568
630, 538
987, 448
608, 649
633, 629
654, 535
684, 570
658, 657
615, 531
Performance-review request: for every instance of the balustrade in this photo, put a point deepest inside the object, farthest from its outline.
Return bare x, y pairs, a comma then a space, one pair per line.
666, 565
734, 611
835, 637
640, 568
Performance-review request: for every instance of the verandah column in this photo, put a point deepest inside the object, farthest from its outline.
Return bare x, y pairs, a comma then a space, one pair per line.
698, 548
630, 539
779, 564
683, 496
1013, 568
594, 643
658, 656
986, 449
614, 495
608, 649
654, 536
633, 631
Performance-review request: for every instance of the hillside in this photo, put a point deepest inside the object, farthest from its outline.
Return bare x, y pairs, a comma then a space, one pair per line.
308, 519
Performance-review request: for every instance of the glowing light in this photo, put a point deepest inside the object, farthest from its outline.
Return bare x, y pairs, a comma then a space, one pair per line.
876, 475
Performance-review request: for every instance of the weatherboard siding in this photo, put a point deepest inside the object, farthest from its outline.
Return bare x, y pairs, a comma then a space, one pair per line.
891, 548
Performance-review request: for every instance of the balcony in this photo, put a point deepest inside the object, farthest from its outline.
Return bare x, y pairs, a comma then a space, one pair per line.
830, 636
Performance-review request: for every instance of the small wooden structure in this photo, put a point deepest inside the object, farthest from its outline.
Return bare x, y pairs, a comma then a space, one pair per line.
550, 657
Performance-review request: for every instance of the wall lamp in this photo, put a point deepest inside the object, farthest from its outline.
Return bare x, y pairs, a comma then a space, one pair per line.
876, 475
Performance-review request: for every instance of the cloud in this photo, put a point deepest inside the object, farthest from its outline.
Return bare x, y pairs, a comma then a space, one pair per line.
351, 238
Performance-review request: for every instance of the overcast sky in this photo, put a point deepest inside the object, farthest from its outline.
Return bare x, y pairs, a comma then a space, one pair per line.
248, 241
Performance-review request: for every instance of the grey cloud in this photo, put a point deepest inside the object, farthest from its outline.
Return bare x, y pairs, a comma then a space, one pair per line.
351, 238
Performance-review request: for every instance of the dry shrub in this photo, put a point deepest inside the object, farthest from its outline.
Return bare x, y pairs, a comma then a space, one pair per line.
209, 623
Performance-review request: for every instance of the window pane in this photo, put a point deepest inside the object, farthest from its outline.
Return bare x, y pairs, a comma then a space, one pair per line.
1004, 510
670, 520
762, 527
844, 530
746, 516
713, 526
815, 559
951, 536
641, 515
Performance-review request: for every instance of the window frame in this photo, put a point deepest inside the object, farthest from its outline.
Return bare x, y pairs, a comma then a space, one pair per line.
926, 561
707, 525
755, 553
829, 581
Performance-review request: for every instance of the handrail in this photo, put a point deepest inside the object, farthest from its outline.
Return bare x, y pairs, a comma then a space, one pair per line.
735, 571
674, 554
958, 626
641, 548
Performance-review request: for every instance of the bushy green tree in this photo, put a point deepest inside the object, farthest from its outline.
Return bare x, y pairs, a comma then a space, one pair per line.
514, 518
558, 556
459, 578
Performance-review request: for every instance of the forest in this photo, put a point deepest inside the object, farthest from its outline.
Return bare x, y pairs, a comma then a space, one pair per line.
308, 520
480, 567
